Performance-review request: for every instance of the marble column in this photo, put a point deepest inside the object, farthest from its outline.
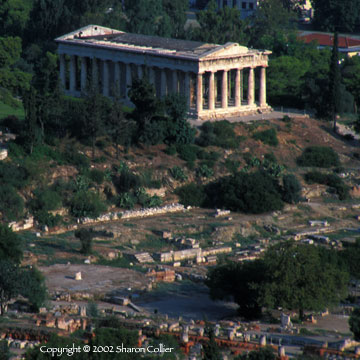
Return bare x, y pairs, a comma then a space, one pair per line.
224, 90
128, 79
95, 73
62, 70
211, 91
251, 87
117, 79
263, 86
83, 74
106, 90
237, 88
72, 73
199, 93
187, 88
152, 77
163, 83
140, 71
174, 81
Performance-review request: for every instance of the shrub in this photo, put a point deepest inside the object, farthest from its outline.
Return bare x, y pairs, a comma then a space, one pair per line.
45, 200
191, 194
97, 176
48, 219
86, 237
219, 133
145, 200
127, 181
86, 204
204, 171
170, 150
319, 156
232, 165
330, 180
11, 204
13, 175
187, 152
247, 192
268, 137
126, 200
291, 189
178, 174
74, 157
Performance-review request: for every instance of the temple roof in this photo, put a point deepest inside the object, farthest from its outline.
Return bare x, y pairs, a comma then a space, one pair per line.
98, 36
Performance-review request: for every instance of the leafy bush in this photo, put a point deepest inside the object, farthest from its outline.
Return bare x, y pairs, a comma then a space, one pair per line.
13, 175
127, 181
86, 203
218, 133
187, 152
330, 180
74, 157
48, 219
86, 237
319, 156
145, 200
268, 137
191, 194
232, 165
45, 200
170, 150
291, 189
204, 171
246, 192
97, 176
178, 174
11, 204
126, 200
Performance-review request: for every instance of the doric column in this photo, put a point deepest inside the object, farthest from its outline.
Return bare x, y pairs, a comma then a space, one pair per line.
106, 90
224, 90
251, 87
83, 74
199, 93
95, 73
128, 80
212, 91
174, 81
152, 78
187, 88
163, 83
72, 73
117, 79
237, 88
140, 71
62, 70
263, 86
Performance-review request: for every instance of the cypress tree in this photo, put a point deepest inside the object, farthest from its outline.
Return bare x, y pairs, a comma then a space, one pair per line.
335, 80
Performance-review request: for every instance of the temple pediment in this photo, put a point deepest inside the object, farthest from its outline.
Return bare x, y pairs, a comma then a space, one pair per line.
229, 49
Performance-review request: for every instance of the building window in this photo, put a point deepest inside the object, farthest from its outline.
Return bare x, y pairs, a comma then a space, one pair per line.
251, 6
243, 5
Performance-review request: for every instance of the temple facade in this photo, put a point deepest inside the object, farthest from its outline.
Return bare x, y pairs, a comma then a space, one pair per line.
218, 81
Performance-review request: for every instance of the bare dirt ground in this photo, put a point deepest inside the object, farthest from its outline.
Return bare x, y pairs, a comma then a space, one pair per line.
96, 279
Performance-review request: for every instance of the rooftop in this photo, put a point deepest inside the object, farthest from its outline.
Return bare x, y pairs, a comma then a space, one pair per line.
98, 36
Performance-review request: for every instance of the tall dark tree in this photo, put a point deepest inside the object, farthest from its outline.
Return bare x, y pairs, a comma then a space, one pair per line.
10, 245
211, 350
335, 81
10, 285
354, 323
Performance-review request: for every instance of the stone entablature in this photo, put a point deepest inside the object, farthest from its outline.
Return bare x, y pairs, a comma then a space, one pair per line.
217, 80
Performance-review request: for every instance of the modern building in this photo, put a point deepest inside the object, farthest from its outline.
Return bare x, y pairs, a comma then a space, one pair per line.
217, 80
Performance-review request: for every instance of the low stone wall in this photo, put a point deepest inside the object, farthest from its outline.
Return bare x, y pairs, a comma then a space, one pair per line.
130, 214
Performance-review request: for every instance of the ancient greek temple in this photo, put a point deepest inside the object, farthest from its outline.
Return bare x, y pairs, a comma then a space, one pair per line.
218, 81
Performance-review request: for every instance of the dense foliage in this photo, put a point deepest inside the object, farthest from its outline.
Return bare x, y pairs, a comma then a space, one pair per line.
319, 156
354, 323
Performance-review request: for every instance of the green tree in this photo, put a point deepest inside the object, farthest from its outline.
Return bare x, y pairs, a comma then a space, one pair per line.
211, 350
86, 237
219, 27
9, 283
86, 203
291, 189
351, 77
302, 277
266, 353
341, 15
335, 81
354, 323
11, 204
33, 287
176, 11
240, 282
10, 245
